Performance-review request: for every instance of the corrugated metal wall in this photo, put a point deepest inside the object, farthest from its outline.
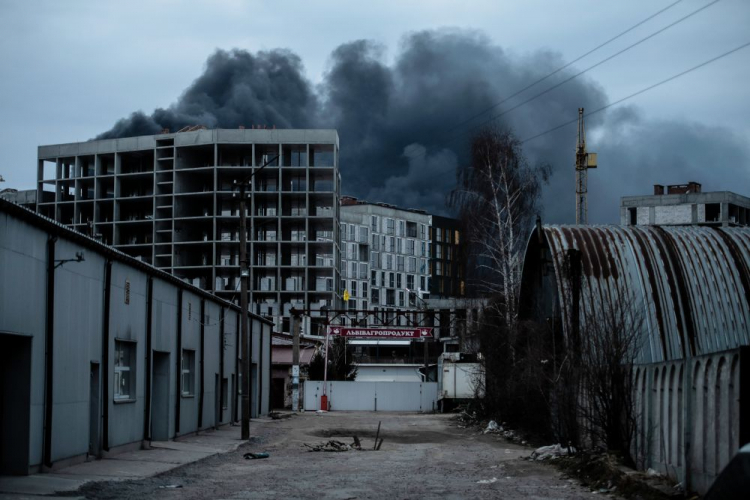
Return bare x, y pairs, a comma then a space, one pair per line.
691, 283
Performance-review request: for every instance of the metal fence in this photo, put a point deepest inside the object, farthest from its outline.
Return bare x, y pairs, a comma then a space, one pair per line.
373, 396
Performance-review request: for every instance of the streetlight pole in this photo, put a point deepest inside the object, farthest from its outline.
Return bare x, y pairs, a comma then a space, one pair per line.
246, 341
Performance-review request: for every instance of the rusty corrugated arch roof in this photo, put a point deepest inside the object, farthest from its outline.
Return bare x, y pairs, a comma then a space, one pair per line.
691, 283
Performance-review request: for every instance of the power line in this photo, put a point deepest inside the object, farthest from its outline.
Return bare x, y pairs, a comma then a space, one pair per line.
549, 89
639, 92
565, 66
609, 58
646, 89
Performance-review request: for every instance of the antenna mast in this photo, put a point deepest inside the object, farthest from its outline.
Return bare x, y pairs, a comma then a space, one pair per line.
584, 161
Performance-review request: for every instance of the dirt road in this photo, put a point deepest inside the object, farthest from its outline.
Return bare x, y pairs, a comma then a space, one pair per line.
422, 456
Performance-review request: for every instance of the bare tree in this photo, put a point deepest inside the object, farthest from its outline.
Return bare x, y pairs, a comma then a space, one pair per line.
497, 197
610, 340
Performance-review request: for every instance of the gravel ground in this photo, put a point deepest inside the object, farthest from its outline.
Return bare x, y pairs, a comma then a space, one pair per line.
422, 456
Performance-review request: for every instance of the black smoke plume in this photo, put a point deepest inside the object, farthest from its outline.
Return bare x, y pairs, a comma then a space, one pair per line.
401, 124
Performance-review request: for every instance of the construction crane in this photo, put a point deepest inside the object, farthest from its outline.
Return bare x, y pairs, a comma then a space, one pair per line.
584, 161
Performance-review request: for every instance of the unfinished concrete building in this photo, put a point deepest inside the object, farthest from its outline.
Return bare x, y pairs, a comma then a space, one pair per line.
170, 200
685, 204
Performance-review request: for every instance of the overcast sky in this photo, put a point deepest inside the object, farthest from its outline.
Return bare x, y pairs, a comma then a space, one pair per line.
71, 69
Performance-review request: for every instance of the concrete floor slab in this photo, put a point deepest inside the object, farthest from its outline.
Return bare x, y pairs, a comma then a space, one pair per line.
39, 484
165, 455
114, 469
138, 464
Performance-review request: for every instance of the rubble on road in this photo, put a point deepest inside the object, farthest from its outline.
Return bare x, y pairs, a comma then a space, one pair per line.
277, 415
552, 452
332, 445
492, 427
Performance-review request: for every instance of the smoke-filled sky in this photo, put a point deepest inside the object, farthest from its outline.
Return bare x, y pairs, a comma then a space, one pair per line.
398, 80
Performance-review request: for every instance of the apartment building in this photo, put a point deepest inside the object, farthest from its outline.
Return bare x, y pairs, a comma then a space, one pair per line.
385, 254
384, 257
171, 200
685, 204
447, 259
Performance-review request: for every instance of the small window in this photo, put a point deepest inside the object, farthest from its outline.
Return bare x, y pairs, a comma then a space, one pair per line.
124, 370
188, 372
633, 213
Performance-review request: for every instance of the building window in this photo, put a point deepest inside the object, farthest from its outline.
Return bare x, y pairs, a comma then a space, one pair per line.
343, 232
390, 297
124, 370
391, 281
353, 289
188, 372
389, 226
373, 278
713, 212
399, 280
410, 281
364, 291
374, 224
411, 265
375, 296
633, 212
410, 247
422, 232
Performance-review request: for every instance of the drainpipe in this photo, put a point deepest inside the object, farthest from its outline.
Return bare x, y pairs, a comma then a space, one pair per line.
49, 351
202, 358
105, 355
149, 328
178, 373
222, 312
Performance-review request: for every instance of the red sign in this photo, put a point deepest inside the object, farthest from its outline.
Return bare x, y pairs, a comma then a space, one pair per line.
382, 332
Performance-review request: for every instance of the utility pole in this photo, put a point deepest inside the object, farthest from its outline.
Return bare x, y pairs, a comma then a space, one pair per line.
245, 341
584, 161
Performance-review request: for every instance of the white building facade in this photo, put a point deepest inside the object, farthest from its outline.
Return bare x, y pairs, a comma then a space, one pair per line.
385, 254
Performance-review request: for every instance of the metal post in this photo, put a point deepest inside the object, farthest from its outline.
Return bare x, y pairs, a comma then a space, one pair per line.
325, 366
295, 361
245, 341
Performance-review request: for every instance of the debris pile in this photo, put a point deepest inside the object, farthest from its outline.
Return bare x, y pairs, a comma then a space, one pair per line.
552, 452
493, 428
275, 415
466, 419
332, 445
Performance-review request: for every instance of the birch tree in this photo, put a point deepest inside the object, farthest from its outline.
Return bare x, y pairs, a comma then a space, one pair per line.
497, 197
